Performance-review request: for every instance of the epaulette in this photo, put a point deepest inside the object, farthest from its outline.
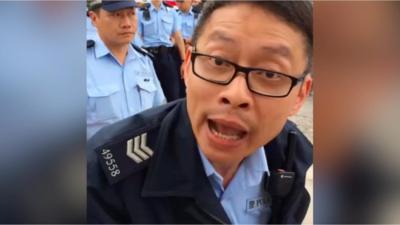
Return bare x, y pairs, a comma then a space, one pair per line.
119, 159
143, 51
128, 145
196, 14
89, 43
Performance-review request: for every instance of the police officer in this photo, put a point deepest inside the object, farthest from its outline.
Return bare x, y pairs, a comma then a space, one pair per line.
121, 80
188, 20
158, 24
226, 153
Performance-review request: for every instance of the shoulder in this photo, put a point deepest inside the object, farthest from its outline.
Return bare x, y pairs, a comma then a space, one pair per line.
126, 147
291, 129
90, 47
90, 51
90, 44
290, 145
142, 51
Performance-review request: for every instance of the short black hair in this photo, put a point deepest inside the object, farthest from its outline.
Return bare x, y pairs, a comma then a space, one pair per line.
296, 13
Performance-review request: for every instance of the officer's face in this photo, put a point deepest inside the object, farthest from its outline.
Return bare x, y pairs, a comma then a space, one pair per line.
115, 28
184, 5
230, 122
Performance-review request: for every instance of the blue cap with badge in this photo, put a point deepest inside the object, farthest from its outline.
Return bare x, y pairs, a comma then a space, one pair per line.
111, 5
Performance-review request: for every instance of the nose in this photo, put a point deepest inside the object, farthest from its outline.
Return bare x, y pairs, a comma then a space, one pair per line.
236, 94
126, 22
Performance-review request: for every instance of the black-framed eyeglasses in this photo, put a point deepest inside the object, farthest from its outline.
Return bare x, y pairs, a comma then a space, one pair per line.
263, 82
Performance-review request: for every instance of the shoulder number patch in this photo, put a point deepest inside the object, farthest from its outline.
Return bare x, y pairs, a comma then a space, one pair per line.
137, 148
110, 162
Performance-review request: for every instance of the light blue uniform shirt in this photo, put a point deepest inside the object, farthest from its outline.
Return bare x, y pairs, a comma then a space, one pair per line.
118, 91
91, 31
137, 40
158, 30
243, 200
188, 23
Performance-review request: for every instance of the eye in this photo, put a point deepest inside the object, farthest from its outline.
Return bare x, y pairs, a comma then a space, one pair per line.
218, 62
113, 14
269, 75
131, 12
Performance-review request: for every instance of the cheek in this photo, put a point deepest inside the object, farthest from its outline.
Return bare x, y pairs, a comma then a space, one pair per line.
199, 89
275, 109
272, 116
135, 23
200, 97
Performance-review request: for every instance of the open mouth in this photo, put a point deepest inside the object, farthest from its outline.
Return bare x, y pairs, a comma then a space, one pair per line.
226, 131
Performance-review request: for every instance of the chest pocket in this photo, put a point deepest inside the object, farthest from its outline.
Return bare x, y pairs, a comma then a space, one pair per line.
167, 22
187, 29
188, 25
101, 105
149, 27
147, 92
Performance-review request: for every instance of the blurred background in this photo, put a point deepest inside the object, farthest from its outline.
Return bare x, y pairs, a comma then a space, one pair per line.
42, 122
356, 120
356, 112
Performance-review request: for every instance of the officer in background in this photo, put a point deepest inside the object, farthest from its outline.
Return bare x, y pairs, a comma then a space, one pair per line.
227, 153
158, 24
121, 80
188, 20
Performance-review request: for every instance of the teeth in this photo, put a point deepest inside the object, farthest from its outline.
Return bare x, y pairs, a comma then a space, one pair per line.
225, 136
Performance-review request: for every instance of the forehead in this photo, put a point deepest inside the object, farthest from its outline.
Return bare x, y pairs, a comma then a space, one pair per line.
253, 26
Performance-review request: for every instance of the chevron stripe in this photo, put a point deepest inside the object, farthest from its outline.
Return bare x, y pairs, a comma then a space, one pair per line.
129, 152
144, 146
137, 148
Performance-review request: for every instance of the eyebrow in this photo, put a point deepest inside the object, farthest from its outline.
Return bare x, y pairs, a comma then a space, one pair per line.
277, 49
221, 36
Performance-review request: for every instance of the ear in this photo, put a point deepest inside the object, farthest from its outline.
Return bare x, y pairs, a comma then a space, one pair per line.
187, 64
302, 95
93, 16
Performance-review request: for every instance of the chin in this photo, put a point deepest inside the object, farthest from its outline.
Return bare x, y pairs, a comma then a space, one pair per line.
223, 157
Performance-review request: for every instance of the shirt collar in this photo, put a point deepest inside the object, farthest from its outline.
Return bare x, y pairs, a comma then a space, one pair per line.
162, 7
208, 168
132, 53
190, 12
102, 50
257, 161
255, 165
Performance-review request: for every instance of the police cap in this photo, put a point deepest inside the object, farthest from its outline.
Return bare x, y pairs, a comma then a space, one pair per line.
111, 5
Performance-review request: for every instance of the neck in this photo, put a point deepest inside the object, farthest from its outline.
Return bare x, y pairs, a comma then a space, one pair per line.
119, 52
227, 171
157, 5
186, 10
